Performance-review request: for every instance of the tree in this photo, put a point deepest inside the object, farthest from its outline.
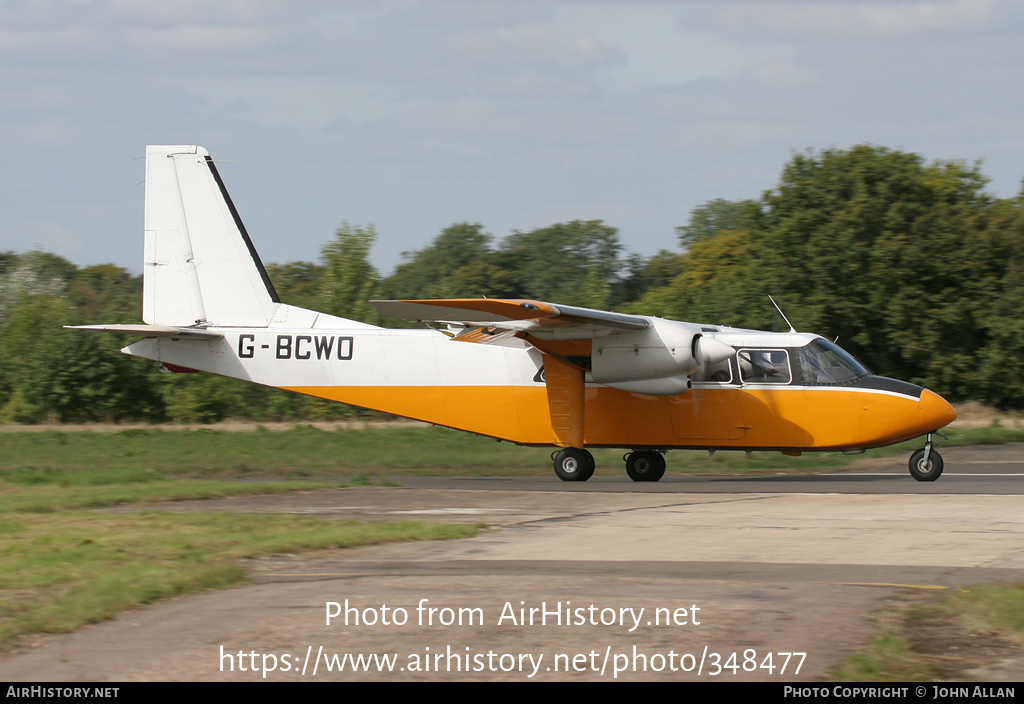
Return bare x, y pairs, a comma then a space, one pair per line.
575, 263
715, 284
641, 275
30, 274
50, 373
457, 264
297, 283
999, 377
713, 217
867, 244
349, 281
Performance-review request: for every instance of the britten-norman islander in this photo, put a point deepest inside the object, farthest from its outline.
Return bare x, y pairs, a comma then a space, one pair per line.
523, 371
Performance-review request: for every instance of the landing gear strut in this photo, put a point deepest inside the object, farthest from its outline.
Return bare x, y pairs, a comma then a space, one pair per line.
574, 464
645, 465
926, 463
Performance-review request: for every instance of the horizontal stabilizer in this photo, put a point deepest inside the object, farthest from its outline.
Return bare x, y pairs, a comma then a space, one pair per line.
152, 331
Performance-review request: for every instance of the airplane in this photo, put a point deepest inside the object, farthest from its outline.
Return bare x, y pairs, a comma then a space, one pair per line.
524, 371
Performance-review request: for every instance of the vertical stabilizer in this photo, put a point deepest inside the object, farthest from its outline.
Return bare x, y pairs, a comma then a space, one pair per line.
200, 266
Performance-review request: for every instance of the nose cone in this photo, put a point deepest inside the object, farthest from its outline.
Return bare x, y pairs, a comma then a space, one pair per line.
935, 411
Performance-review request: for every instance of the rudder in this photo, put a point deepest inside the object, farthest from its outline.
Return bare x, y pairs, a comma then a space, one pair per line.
200, 266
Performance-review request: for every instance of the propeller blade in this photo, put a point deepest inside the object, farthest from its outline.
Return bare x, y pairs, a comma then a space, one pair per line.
711, 351
707, 351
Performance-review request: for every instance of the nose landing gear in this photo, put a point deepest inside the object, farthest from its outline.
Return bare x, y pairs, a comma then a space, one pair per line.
926, 463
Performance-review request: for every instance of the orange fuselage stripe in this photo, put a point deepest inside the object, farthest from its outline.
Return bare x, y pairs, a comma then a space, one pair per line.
784, 418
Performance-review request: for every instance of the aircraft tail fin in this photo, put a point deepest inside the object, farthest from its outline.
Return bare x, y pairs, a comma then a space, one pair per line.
200, 266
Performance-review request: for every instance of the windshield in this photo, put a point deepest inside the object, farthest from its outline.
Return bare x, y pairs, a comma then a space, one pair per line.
823, 362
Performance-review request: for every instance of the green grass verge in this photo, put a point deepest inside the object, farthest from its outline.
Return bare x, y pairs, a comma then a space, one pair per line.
64, 564
305, 452
886, 658
990, 605
64, 569
49, 498
943, 636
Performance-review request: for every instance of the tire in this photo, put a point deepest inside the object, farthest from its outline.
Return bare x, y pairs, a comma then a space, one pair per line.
922, 472
573, 464
645, 466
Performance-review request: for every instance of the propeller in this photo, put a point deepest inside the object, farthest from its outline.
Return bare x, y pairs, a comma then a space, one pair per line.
707, 351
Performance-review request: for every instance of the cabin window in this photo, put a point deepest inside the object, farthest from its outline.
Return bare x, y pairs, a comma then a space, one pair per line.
720, 373
823, 363
764, 366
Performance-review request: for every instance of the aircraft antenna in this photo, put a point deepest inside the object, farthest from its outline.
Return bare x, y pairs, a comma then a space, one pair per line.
791, 328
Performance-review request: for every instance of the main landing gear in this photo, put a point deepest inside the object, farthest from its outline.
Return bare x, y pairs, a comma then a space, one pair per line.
573, 464
645, 465
926, 463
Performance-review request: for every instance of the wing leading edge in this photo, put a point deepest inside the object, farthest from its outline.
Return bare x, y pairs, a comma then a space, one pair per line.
494, 315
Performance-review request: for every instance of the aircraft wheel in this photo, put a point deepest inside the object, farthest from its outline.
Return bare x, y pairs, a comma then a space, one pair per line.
925, 472
645, 466
573, 464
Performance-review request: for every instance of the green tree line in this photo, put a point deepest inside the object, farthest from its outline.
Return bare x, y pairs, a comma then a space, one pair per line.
913, 266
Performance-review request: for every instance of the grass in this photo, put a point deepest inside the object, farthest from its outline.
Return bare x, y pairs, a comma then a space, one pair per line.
943, 636
63, 563
64, 569
999, 605
886, 658
141, 456
49, 498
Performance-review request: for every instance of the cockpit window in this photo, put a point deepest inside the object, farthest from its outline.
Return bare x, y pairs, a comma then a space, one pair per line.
764, 366
823, 362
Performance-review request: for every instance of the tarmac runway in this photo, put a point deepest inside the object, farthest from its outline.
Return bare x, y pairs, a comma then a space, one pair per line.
725, 578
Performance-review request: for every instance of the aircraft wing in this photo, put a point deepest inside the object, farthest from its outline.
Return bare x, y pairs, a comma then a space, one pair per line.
634, 353
494, 320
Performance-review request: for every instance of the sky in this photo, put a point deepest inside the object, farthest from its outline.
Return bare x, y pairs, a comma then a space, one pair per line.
412, 115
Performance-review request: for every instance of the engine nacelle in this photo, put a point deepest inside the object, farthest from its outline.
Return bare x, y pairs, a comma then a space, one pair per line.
664, 349
657, 360
665, 386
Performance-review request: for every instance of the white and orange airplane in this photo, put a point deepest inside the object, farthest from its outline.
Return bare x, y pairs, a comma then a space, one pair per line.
523, 371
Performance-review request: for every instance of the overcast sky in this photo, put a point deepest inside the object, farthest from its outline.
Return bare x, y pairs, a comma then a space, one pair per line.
416, 114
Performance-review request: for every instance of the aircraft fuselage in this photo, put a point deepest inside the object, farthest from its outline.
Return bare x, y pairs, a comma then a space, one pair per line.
499, 391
